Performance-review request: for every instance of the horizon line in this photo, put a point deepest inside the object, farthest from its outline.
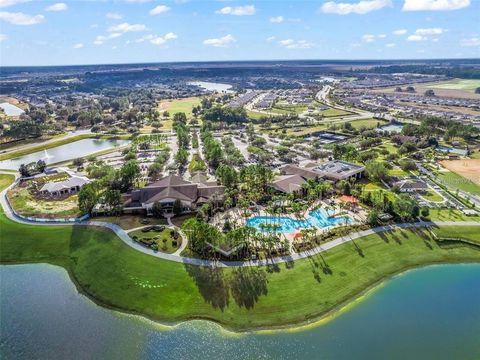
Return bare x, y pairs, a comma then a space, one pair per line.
236, 61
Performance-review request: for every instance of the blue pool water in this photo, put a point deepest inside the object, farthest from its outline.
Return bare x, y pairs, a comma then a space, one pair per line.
318, 218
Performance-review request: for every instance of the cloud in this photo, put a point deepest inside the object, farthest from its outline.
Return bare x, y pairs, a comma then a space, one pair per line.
237, 10
362, 7
157, 40
160, 9
270, 38
21, 18
296, 44
416, 38
382, 36
78, 46
114, 15
390, 45
368, 38
434, 5
224, 41
57, 7
137, 1
100, 39
277, 19
474, 41
3, 37
126, 27
144, 38
170, 36
399, 32
429, 31
5, 3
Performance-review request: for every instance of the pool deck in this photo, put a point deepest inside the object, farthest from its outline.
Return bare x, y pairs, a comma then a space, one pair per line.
236, 216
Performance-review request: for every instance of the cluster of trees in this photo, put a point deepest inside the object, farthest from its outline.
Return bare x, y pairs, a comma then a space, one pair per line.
226, 115
431, 126
32, 168
108, 185
212, 148
233, 156
403, 208
183, 137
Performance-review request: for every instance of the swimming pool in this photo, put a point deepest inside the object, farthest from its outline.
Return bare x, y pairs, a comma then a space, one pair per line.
318, 218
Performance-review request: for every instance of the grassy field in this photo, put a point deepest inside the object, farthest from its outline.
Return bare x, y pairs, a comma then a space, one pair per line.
128, 222
173, 106
457, 84
431, 195
332, 112
451, 215
115, 275
366, 123
5, 181
456, 181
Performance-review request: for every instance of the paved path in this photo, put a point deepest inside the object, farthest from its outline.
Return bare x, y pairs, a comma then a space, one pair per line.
123, 235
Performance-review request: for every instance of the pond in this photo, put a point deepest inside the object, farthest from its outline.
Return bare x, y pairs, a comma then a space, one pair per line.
429, 313
319, 218
212, 86
65, 152
11, 110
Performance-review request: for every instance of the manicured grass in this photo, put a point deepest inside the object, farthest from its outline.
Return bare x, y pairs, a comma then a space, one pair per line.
127, 222
396, 172
451, 215
456, 181
431, 195
6, 180
366, 123
115, 275
165, 241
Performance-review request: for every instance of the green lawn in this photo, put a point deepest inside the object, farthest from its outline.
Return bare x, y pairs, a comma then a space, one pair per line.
6, 180
456, 181
451, 215
431, 195
366, 123
127, 222
184, 105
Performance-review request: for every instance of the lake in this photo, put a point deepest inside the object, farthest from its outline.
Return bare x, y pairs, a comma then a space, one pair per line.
212, 86
11, 110
65, 152
429, 313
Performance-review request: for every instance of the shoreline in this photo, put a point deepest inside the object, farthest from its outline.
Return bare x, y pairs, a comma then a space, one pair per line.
312, 322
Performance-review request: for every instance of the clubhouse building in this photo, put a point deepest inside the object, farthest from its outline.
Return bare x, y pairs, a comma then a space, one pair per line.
174, 188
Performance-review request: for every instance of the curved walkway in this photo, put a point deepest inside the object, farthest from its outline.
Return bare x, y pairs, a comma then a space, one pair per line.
123, 235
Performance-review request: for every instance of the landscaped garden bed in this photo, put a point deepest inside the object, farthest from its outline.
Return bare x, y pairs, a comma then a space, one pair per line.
158, 238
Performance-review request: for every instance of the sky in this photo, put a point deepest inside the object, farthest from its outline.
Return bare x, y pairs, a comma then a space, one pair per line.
34, 32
